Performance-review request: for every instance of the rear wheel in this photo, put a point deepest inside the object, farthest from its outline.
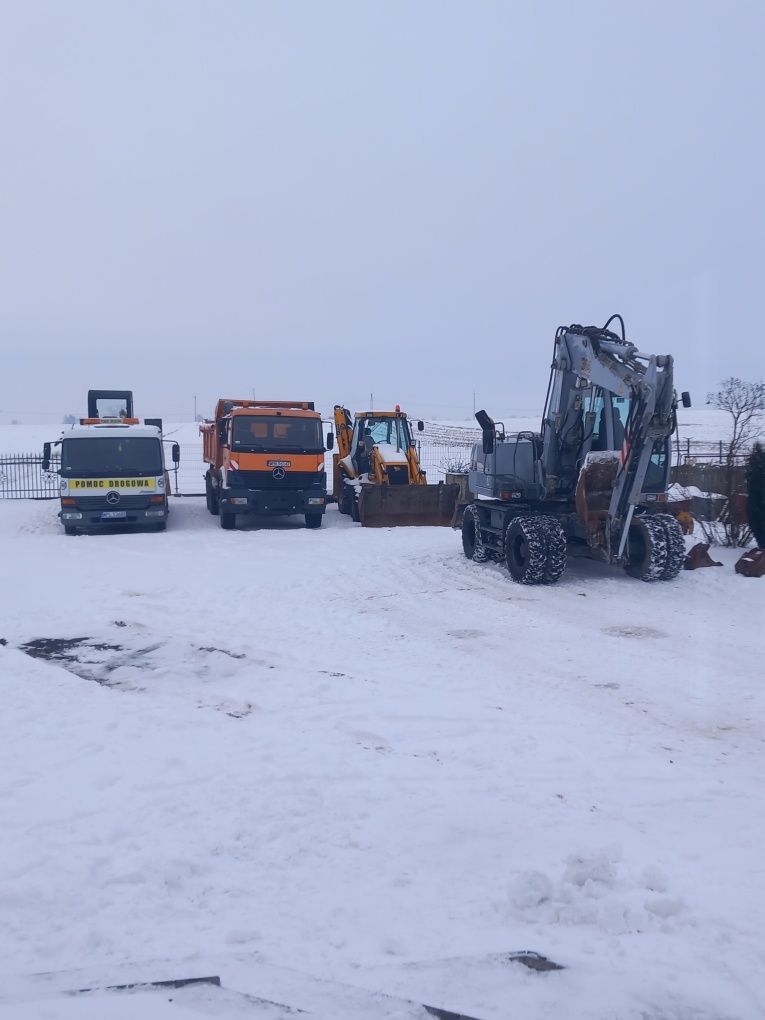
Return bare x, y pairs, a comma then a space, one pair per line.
526, 550
313, 520
647, 545
472, 543
673, 533
343, 500
557, 550
212, 497
227, 521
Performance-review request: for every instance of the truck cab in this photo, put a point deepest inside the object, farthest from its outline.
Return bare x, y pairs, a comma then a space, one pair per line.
112, 468
265, 457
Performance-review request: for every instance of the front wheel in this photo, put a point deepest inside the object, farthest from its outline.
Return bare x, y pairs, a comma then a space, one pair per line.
227, 521
647, 549
69, 530
313, 520
673, 533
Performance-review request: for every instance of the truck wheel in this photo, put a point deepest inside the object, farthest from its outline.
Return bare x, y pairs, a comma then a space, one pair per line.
227, 521
212, 498
313, 520
675, 546
526, 550
557, 550
69, 530
472, 543
647, 549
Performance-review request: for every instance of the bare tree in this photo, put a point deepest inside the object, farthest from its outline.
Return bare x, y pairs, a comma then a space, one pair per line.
745, 403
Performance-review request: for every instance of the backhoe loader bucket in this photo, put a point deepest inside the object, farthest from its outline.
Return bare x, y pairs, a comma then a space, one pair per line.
390, 506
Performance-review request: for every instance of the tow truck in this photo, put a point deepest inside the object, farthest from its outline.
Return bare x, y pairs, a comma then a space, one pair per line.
112, 468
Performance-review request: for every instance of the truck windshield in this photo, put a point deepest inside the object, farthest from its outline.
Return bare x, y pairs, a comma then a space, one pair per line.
128, 456
269, 434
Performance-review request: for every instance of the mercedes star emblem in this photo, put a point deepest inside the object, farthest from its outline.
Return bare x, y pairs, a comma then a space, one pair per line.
113, 497
278, 473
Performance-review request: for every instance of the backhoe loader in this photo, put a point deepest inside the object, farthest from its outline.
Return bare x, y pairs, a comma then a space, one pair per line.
378, 479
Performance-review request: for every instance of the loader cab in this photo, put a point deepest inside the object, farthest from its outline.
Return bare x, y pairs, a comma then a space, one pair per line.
378, 430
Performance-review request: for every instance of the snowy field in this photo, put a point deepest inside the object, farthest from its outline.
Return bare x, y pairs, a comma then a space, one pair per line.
328, 764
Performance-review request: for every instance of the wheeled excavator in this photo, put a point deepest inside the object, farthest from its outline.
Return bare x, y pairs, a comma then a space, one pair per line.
594, 480
378, 479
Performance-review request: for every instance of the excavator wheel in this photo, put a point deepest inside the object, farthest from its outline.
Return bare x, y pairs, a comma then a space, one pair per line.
673, 533
647, 544
526, 550
472, 543
557, 549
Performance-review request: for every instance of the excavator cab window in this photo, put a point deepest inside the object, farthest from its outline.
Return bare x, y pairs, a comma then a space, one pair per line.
656, 475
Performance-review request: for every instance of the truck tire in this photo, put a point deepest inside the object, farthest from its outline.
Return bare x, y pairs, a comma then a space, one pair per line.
647, 549
69, 530
227, 521
557, 549
472, 543
212, 498
675, 546
526, 550
313, 520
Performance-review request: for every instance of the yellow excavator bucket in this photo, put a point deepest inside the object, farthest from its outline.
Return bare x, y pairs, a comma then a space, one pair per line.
390, 506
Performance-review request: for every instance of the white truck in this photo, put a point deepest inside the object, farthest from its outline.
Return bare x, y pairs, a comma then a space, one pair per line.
112, 468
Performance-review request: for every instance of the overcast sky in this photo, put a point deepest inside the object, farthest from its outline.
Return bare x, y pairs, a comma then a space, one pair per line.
325, 200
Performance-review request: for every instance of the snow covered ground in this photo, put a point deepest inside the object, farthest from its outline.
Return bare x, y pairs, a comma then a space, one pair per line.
317, 763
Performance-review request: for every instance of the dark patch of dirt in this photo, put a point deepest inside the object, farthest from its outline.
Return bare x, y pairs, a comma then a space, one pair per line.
223, 651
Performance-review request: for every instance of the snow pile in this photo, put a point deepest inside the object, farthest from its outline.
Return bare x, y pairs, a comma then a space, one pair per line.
354, 754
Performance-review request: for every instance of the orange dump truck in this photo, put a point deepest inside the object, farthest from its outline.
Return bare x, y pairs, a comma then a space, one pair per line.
265, 457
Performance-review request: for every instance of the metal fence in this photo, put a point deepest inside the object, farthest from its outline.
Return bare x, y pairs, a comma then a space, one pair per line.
22, 477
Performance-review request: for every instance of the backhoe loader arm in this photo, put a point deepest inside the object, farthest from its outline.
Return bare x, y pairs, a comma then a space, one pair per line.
343, 430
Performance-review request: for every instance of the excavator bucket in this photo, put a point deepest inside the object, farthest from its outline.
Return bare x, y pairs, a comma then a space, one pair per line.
390, 506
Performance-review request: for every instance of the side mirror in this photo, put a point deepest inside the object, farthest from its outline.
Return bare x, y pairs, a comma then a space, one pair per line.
420, 426
685, 397
46, 457
488, 441
176, 453
330, 440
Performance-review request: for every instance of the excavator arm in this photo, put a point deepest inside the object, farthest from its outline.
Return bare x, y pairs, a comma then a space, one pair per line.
590, 360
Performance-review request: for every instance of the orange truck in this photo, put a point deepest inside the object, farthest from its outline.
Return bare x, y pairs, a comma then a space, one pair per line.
265, 457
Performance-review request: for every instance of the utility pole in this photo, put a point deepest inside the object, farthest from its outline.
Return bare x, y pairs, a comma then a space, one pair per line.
195, 407
474, 403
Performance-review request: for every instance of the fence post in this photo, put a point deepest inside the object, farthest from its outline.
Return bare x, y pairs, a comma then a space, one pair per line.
721, 451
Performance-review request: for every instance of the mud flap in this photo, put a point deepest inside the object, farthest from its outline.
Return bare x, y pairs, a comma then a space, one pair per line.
389, 506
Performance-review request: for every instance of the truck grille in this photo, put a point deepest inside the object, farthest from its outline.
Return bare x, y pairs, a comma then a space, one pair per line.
266, 480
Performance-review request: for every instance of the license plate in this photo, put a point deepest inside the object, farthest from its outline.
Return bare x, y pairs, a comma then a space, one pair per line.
113, 515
